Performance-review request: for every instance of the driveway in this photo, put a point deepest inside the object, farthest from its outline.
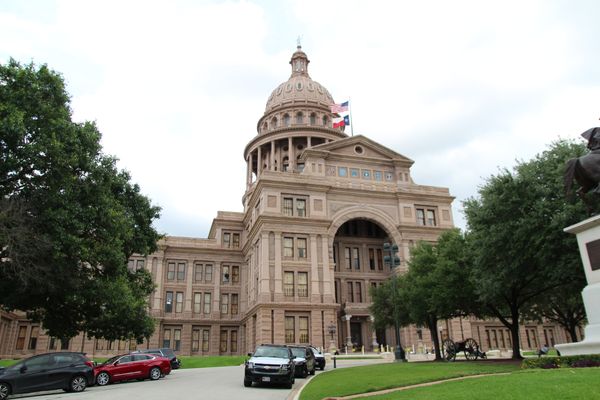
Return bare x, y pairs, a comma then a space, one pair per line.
199, 383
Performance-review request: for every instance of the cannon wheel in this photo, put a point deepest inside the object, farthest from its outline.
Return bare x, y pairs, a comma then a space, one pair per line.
471, 349
449, 350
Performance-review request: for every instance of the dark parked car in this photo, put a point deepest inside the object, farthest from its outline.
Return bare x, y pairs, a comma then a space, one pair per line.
319, 358
304, 360
132, 366
164, 352
270, 363
72, 372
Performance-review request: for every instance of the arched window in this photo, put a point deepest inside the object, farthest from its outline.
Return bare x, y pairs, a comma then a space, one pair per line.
285, 164
274, 122
325, 121
265, 126
313, 119
299, 118
286, 120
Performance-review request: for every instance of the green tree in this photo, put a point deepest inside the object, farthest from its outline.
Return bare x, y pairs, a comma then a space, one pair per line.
69, 219
520, 251
438, 284
389, 303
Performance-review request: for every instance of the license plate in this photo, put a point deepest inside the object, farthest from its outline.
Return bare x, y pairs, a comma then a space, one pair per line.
266, 379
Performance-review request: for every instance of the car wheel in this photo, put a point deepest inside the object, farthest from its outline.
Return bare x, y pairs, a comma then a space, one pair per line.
312, 371
305, 372
155, 373
77, 384
103, 379
247, 383
4, 391
289, 383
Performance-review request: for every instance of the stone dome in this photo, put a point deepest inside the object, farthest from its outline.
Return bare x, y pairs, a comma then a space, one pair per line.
300, 88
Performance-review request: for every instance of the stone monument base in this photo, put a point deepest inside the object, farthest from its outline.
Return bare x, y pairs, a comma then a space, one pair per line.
588, 240
591, 343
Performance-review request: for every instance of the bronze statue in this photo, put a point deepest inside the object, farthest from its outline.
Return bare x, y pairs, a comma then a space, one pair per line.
585, 169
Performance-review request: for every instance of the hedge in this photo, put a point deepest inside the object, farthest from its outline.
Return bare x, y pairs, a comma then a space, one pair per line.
591, 360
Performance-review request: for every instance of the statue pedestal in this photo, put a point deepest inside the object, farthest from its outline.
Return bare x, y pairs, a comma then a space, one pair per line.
588, 239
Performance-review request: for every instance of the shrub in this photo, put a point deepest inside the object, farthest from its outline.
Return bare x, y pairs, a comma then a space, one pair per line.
581, 361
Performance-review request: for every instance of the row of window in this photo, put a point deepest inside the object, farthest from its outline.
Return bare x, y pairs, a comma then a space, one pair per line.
352, 258
296, 326
289, 249
299, 120
354, 291
294, 206
364, 173
202, 302
426, 217
231, 240
228, 339
203, 273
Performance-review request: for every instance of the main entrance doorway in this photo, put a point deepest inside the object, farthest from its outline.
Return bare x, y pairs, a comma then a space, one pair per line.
356, 334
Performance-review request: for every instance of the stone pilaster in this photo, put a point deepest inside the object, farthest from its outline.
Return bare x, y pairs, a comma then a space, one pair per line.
278, 297
315, 292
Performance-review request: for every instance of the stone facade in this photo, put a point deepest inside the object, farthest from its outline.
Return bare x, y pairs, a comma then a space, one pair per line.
296, 266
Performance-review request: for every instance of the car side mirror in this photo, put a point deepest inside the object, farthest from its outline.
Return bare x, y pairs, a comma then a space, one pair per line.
116, 363
23, 369
249, 354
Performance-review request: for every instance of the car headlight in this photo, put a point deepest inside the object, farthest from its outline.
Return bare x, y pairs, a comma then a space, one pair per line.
286, 367
249, 364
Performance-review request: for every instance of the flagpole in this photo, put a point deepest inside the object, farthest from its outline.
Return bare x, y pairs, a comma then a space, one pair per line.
351, 119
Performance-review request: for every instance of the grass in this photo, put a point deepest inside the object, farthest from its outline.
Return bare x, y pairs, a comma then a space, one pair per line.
211, 361
347, 381
358, 357
564, 384
7, 363
551, 352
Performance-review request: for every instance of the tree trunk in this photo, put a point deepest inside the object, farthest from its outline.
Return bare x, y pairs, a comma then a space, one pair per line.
432, 325
514, 331
572, 330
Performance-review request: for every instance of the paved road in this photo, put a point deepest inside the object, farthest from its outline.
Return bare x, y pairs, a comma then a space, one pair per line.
201, 383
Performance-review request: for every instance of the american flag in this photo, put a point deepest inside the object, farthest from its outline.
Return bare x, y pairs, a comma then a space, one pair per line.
339, 108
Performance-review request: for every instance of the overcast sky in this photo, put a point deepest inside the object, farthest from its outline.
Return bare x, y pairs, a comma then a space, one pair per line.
177, 87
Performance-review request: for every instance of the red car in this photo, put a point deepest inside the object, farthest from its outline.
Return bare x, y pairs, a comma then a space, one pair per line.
132, 366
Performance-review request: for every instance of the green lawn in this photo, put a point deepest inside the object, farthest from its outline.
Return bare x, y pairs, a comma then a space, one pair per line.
211, 361
347, 381
6, 363
551, 352
564, 384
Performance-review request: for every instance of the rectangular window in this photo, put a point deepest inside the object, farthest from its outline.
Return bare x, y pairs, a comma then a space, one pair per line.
420, 216
139, 265
350, 292
288, 206
227, 240
288, 247
342, 171
528, 339
347, 257
181, 271
355, 258
207, 297
431, 217
208, 273
197, 303
358, 292
195, 339
380, 259
378, 175
224, 303
205, 339
235, 274
289, 330
354, 173
502, 339
21, 338
64, 344
302, 284
223, 345
303, 329
288, 284
495, 339
301, 248
487, 336
301, 207
171, 271
167, 338
225, 273
372, 259
179, 302
235, 240
233, 341
53, 340
169, 302
508, 339
35, 330
198, 273
177, 339
234, 304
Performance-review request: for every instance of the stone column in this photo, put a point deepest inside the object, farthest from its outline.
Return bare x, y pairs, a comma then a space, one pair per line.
216, 301
315, 292
259, 163
327, 273
348, 332
309, 142
292, 154
249, 177
272, 162
159, 278
264, 278
187, 308
278, 269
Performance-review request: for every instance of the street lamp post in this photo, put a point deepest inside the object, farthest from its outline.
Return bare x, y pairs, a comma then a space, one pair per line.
394, 261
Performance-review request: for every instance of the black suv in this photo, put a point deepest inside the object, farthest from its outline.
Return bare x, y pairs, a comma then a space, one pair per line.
304, 360
164, 352
72, 372
270, 363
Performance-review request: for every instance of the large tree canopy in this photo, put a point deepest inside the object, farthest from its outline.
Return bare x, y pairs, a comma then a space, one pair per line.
69, 219
516, 232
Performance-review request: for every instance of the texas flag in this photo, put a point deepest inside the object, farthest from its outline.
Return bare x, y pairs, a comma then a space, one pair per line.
339, 108
339, 122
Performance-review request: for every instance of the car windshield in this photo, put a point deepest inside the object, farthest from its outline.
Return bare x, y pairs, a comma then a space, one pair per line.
317, 352
299, 352
168, 353
111, 360
268, 351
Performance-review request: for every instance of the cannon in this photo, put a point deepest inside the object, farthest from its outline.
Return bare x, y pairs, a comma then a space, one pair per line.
468, 346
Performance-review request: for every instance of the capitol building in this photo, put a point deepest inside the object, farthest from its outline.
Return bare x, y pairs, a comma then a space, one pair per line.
297, 264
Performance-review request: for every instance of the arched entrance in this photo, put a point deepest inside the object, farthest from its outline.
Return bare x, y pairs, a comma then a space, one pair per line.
359, 265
